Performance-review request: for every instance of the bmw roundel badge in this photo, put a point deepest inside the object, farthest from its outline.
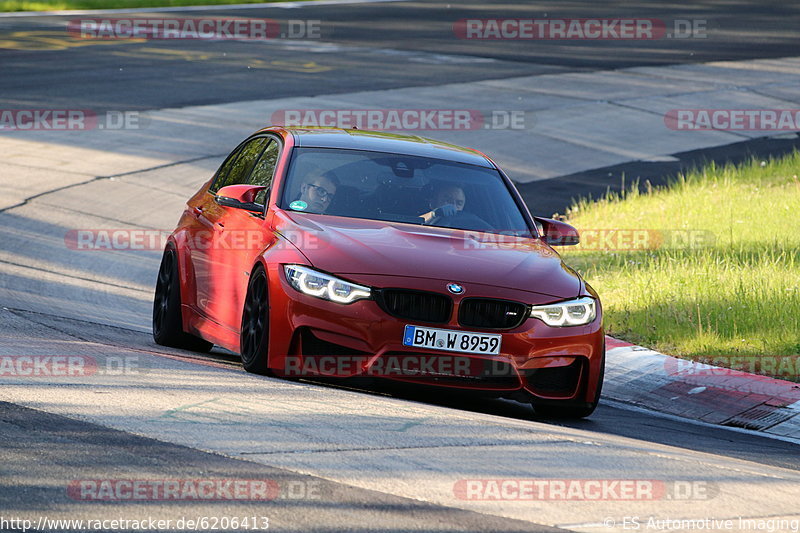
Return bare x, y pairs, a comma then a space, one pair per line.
455, 288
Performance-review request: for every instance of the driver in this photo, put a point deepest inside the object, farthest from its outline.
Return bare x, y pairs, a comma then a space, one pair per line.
317, 191
447, 201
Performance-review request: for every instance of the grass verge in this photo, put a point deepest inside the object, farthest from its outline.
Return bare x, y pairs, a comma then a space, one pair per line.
58, 5
716, 271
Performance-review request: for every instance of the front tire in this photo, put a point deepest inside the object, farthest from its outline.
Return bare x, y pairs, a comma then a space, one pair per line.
254, 336
167, 318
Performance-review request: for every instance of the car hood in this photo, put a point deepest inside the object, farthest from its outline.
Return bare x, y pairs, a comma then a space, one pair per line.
357, 246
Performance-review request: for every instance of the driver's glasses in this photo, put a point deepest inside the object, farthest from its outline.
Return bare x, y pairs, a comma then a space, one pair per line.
323, 193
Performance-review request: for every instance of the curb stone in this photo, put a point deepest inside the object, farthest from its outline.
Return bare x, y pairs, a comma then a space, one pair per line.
646, 378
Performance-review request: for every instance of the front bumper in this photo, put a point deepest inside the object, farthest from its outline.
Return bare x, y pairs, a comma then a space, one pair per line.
313, 337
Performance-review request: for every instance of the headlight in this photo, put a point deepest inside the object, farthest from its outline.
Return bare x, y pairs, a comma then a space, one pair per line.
569, 313
315, 283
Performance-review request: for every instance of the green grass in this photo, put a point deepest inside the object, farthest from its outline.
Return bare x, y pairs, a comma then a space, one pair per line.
54, 5
737, 295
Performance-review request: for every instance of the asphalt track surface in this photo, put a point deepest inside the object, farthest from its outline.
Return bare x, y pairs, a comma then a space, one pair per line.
365, 47
37, 444
56, 300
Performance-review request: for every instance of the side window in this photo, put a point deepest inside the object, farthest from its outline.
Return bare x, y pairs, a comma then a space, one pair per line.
223, 170
263, 171
238, 171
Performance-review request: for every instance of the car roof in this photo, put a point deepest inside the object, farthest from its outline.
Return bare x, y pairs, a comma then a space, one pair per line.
376, 141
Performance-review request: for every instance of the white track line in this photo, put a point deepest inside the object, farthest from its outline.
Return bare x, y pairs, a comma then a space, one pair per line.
610, 402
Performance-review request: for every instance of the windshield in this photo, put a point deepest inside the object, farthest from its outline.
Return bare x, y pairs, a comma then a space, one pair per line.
401, 188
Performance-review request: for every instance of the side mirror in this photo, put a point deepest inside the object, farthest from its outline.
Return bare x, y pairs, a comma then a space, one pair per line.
557, 233
240, 197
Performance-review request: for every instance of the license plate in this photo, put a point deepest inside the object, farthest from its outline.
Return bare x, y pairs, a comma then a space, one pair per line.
452, 341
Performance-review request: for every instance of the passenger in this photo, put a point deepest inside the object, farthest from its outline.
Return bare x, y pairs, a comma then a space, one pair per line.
447, 201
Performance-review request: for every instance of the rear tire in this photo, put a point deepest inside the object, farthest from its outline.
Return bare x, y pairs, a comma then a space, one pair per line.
167, 318
563, 412
254, 336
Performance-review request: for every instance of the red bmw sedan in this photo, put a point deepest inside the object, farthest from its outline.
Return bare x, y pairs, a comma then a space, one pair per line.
337, 253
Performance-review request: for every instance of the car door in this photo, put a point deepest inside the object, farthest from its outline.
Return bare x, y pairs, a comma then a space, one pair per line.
199, 235
208, 246
244, 236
